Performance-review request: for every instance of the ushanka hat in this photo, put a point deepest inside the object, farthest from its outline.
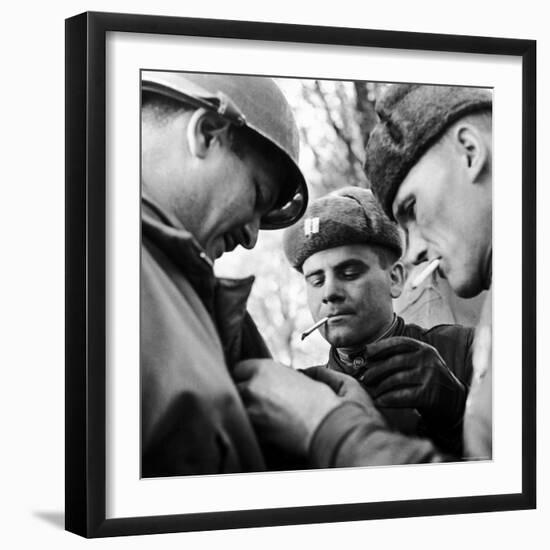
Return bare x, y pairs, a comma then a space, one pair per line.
412, 118
351, 215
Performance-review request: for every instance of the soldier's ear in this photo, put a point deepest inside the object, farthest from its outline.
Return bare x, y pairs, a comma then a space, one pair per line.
473, 149
203, 130
397, 277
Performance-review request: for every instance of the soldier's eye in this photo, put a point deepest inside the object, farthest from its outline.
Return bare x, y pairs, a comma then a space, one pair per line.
351, 273
406, 211
315, 281
260, 203
409, 210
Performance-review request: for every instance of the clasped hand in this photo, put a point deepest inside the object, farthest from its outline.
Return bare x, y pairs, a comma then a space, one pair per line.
403, 372
286, 406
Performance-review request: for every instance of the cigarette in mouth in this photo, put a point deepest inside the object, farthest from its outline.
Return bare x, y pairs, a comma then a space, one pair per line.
425, 273
314, 327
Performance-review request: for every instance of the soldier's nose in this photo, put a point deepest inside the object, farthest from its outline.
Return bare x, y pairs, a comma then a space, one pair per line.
250, 234
417, 250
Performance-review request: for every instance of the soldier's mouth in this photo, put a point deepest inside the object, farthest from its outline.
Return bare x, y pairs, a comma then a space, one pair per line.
338, 316
428, 270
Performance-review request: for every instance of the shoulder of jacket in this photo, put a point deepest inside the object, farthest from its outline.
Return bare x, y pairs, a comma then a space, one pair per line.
457, 333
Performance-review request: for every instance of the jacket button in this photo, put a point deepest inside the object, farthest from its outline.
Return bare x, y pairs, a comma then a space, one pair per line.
358, 362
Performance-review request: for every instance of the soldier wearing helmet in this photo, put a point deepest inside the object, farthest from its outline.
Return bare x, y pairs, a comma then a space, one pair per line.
218, 162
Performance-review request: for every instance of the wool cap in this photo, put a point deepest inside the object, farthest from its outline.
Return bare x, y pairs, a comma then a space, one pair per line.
351, 215
412, 118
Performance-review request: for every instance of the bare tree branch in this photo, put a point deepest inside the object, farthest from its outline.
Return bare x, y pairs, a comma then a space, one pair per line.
351, 156
365, 110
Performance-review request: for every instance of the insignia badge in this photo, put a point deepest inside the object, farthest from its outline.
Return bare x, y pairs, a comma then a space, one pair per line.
311, 226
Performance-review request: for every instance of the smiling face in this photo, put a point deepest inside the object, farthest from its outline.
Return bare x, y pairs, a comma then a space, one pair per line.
351, 285
241, 188
217, 192
444, 205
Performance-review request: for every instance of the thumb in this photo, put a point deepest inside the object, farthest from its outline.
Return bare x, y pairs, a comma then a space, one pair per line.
388, 347
335, 380
244, 370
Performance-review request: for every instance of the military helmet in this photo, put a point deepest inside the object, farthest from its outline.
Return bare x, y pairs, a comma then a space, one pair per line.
253, 102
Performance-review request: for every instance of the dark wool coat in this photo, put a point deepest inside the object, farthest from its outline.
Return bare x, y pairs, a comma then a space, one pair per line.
347, 437
454, 344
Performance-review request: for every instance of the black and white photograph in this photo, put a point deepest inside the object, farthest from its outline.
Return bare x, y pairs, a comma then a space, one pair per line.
303, 297
316, 272
275, 275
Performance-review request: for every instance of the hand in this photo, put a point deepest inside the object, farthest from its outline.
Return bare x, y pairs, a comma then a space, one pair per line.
284, 405
402, 372
346, 387
341, 384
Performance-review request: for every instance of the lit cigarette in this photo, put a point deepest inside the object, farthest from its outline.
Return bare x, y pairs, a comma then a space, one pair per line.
426, 272
318, 324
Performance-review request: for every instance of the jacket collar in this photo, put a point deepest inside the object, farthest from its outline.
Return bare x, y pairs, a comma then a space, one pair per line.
220, 295
354, 362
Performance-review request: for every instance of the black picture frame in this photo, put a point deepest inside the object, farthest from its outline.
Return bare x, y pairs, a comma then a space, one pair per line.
86, 273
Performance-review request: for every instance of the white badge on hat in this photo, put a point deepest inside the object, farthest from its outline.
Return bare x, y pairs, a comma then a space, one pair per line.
311, 226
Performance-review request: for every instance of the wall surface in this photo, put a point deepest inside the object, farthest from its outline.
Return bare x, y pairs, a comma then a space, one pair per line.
32, 274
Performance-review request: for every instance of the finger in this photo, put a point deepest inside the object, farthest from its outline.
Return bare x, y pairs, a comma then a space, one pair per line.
326, 376
244, 391
379, 370
244, 370
255, 413
399, 380
404, 398
390, 346
313, 372
335, 380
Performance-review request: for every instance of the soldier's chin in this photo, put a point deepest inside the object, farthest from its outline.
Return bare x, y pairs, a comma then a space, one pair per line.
340, 338
465, 286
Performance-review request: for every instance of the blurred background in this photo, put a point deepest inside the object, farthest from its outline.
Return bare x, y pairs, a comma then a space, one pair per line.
334, 119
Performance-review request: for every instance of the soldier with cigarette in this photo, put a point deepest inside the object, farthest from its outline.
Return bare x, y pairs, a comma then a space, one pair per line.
348, 251
429, 163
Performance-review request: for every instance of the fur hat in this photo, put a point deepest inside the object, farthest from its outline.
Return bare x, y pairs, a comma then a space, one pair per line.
350, 215
412, 118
